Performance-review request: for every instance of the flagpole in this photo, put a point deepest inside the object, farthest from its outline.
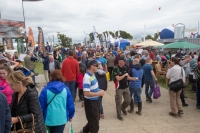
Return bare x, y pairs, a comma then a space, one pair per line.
23, 14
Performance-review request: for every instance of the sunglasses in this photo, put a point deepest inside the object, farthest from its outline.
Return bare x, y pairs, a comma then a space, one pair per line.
96, 65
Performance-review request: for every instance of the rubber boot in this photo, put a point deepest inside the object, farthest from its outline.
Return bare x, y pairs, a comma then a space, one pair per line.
139, 112
131, 106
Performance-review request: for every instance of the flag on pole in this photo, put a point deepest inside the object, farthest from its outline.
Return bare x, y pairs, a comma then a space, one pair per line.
30, 37
108, 36
96, 38
118, 38
41, 40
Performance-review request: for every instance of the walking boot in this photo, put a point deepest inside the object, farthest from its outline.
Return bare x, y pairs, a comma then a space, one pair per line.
139, 112
131, 106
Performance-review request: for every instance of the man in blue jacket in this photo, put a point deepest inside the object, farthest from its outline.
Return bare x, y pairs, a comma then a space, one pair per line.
135, 86
5, 115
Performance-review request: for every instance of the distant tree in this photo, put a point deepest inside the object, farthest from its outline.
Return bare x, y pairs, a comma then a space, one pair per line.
124, 34
64, 40
198, 36
156, 35
149, 37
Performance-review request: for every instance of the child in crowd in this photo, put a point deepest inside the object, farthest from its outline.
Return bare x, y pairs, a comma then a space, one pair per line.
5, 71
80, 84
103, 84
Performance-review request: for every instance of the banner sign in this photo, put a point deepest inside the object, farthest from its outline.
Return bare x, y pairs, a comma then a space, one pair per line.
41, 40
30, 37
9, 43
11, 28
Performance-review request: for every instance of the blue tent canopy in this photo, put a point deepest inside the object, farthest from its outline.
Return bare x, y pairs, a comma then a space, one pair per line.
123, 44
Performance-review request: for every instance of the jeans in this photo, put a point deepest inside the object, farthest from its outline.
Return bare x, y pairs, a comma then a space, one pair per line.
33, 77
56, 129
136, 93
71, 86
198, 95
101, 106
147, 92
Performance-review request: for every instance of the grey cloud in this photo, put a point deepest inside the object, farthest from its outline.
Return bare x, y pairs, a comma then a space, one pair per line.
72, 17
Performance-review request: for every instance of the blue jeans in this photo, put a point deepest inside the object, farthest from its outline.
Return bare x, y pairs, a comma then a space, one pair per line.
136, 93
56, 129
198, 94
33, 77
101, 106
71, 86
147, 91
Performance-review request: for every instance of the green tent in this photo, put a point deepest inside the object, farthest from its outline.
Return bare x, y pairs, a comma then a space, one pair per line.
180, 44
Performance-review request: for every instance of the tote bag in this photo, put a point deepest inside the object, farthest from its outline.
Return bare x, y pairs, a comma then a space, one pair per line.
156, 92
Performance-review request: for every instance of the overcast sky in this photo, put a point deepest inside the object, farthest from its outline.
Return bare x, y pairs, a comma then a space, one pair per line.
71, 17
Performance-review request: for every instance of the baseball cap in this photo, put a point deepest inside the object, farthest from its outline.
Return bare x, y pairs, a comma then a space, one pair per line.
92, 62
121, 58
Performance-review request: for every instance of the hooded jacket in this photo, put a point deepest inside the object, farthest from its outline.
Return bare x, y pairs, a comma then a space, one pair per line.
6, 90
62, 104
101, 78
137, 72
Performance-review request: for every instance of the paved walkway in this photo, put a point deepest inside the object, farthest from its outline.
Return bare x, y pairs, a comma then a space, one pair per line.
154, 119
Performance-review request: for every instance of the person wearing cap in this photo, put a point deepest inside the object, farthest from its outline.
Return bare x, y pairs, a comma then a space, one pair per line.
22, 69
98, 58
91, 98
103, 85
29, 61
120, 73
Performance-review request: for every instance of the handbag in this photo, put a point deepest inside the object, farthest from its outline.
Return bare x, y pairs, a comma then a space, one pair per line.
156, 92
178, 84
107, 76
23, 130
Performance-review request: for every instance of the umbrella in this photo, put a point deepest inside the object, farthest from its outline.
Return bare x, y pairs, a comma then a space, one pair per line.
149, 42
180, 44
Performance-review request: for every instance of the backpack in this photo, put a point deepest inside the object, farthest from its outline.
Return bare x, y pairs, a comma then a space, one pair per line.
118, 70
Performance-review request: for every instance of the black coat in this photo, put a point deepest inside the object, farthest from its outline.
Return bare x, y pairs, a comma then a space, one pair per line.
28, 104
102, 82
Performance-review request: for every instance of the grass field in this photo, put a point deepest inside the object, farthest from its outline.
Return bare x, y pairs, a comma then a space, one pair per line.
38, 67
161, 82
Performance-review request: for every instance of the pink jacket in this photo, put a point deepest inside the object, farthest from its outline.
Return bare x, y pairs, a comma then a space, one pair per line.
6, 90
80, 81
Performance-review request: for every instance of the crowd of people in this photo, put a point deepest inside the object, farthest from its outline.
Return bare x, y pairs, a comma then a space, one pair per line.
86, 72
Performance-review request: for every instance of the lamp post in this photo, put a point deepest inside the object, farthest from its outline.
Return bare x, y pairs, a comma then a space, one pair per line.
53, 41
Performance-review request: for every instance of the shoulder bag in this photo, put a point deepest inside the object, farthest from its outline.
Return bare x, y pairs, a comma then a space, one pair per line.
178, 84
23, 130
